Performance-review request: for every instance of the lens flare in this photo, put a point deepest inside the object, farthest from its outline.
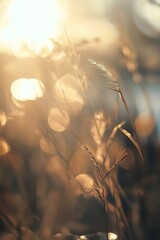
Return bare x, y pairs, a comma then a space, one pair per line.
4, 147
30, 25
24, 89
69, 96
47, 146
112, 236
85, 181
58, 120
3, 119
83, 238
144, 124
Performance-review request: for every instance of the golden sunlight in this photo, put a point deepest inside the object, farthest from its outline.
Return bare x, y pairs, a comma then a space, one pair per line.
30, 25
3, 119
112, 236
58, 120
47, 146
144, 124
85, 181
69, 96
4, 147
24, 89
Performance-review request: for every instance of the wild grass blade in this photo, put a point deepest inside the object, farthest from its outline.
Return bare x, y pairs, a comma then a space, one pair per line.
111, 137
116, 163
114, 86
106, 73
128, 135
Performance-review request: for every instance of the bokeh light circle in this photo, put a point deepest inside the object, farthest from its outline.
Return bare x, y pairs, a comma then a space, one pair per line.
24, 89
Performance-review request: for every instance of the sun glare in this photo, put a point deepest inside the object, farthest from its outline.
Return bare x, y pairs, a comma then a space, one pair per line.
30, 26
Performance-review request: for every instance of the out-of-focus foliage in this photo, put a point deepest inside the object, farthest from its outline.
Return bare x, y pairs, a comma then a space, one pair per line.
54, 149
79, 140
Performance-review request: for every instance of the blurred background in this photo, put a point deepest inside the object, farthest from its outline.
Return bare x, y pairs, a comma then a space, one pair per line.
125, 36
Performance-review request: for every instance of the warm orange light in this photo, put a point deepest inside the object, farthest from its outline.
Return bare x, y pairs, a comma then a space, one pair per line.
47, 146
4, 147
112, 236
24, 89
2, 119
30, 26
85, 181
58, 120
98, 127
67, 95
83, 237
144, 124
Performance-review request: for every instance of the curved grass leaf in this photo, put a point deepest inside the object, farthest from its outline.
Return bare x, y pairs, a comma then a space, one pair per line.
135, 143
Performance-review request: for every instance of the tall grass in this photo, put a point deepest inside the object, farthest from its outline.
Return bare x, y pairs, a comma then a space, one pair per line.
48, 178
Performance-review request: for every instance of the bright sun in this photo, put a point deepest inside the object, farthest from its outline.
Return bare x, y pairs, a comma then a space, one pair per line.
30, 26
